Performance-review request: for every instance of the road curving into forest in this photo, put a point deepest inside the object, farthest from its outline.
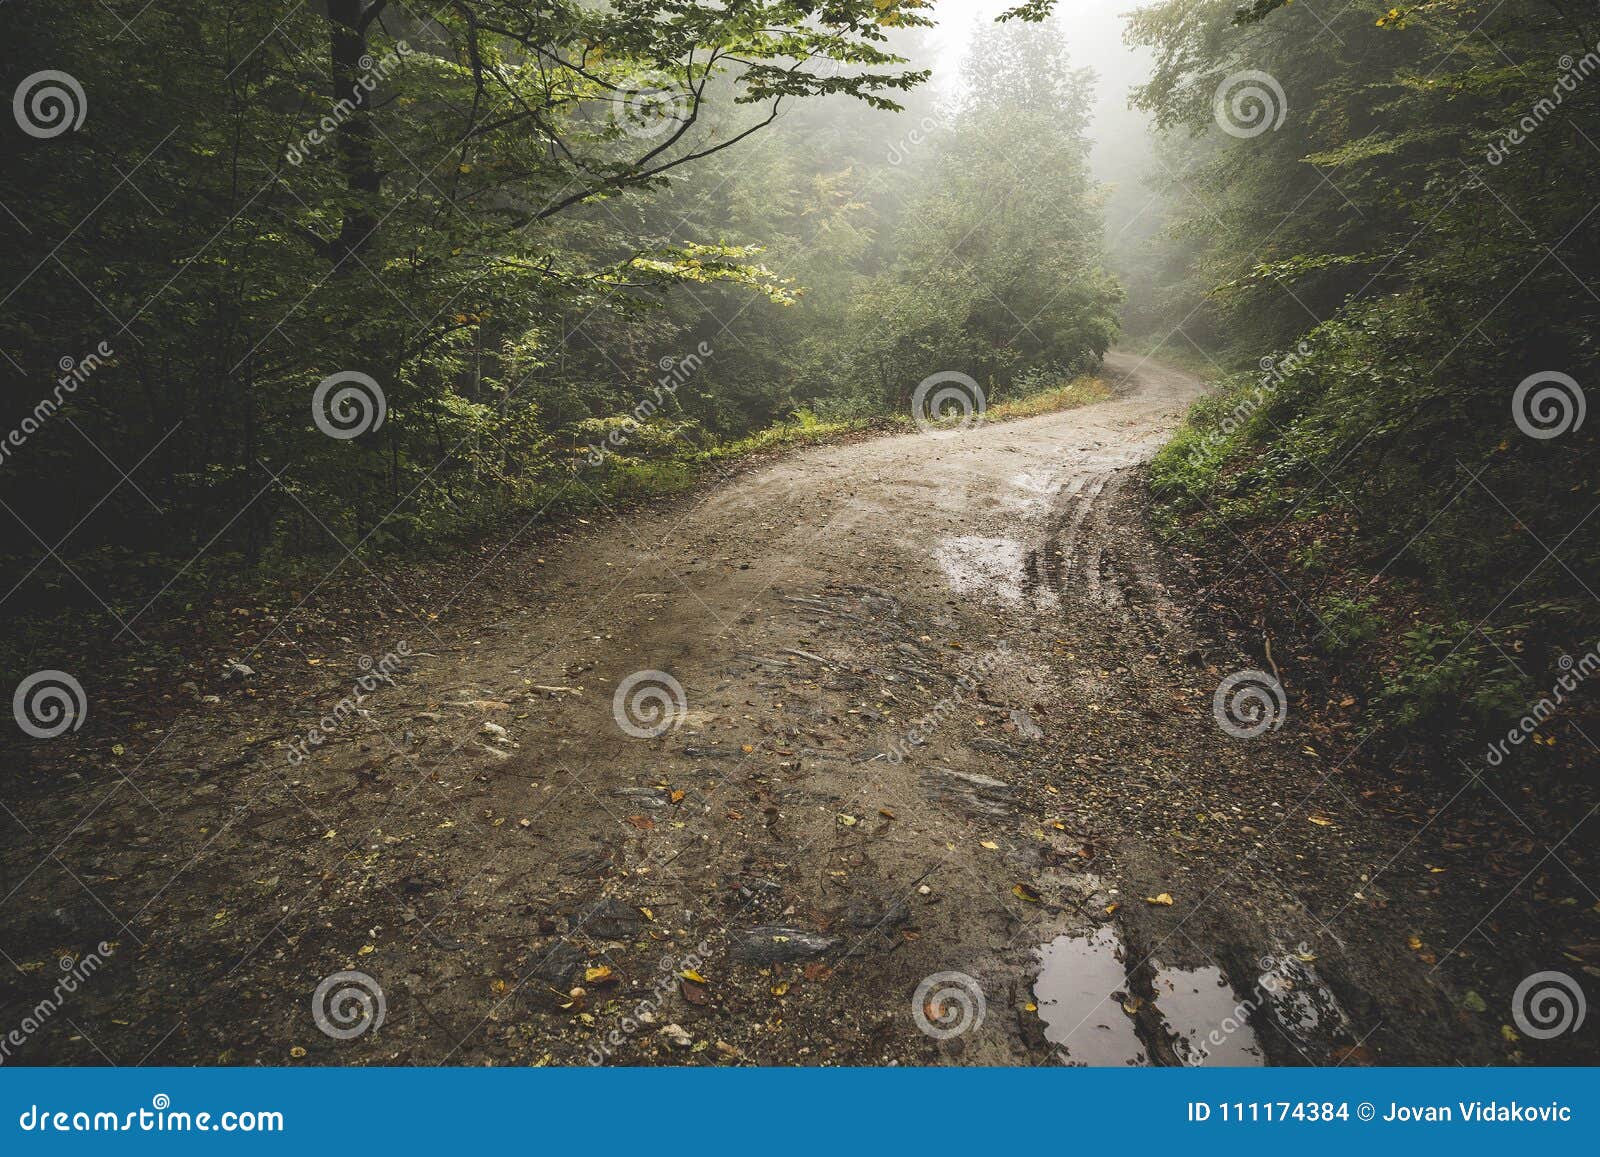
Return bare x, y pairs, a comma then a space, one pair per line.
942, 784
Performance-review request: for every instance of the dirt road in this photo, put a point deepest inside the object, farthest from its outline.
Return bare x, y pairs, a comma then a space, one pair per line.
942, 783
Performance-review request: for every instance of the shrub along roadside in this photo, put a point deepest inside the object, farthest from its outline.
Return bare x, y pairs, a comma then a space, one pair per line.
1403, 550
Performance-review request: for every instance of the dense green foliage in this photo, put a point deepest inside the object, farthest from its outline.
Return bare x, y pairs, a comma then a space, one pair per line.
572, 246
1414, 239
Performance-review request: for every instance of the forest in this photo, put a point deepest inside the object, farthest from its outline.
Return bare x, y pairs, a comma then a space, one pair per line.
327, 304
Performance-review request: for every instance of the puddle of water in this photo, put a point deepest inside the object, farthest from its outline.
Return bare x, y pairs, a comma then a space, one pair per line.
1208, 1021
1077, 977
979, 566
1302, 1005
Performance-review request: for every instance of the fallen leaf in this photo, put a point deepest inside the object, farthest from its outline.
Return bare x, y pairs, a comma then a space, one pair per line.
1026, 892
847, 821
599, 974
643, 823
692, 975
991, 845
1162, 898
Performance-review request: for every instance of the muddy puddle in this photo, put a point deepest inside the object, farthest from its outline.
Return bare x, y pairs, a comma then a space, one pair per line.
1096, 1016
1205, 1018
1080, 991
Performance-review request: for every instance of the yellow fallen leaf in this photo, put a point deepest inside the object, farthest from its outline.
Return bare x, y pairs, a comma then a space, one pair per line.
366, 950
1414, 942
691, 974
297, 1052
780, 988
991, 845
1026, 892
1320, 821
1162, 898
597, 974
847, 821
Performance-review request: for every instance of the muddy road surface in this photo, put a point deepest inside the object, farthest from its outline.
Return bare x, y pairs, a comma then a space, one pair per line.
902, 751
